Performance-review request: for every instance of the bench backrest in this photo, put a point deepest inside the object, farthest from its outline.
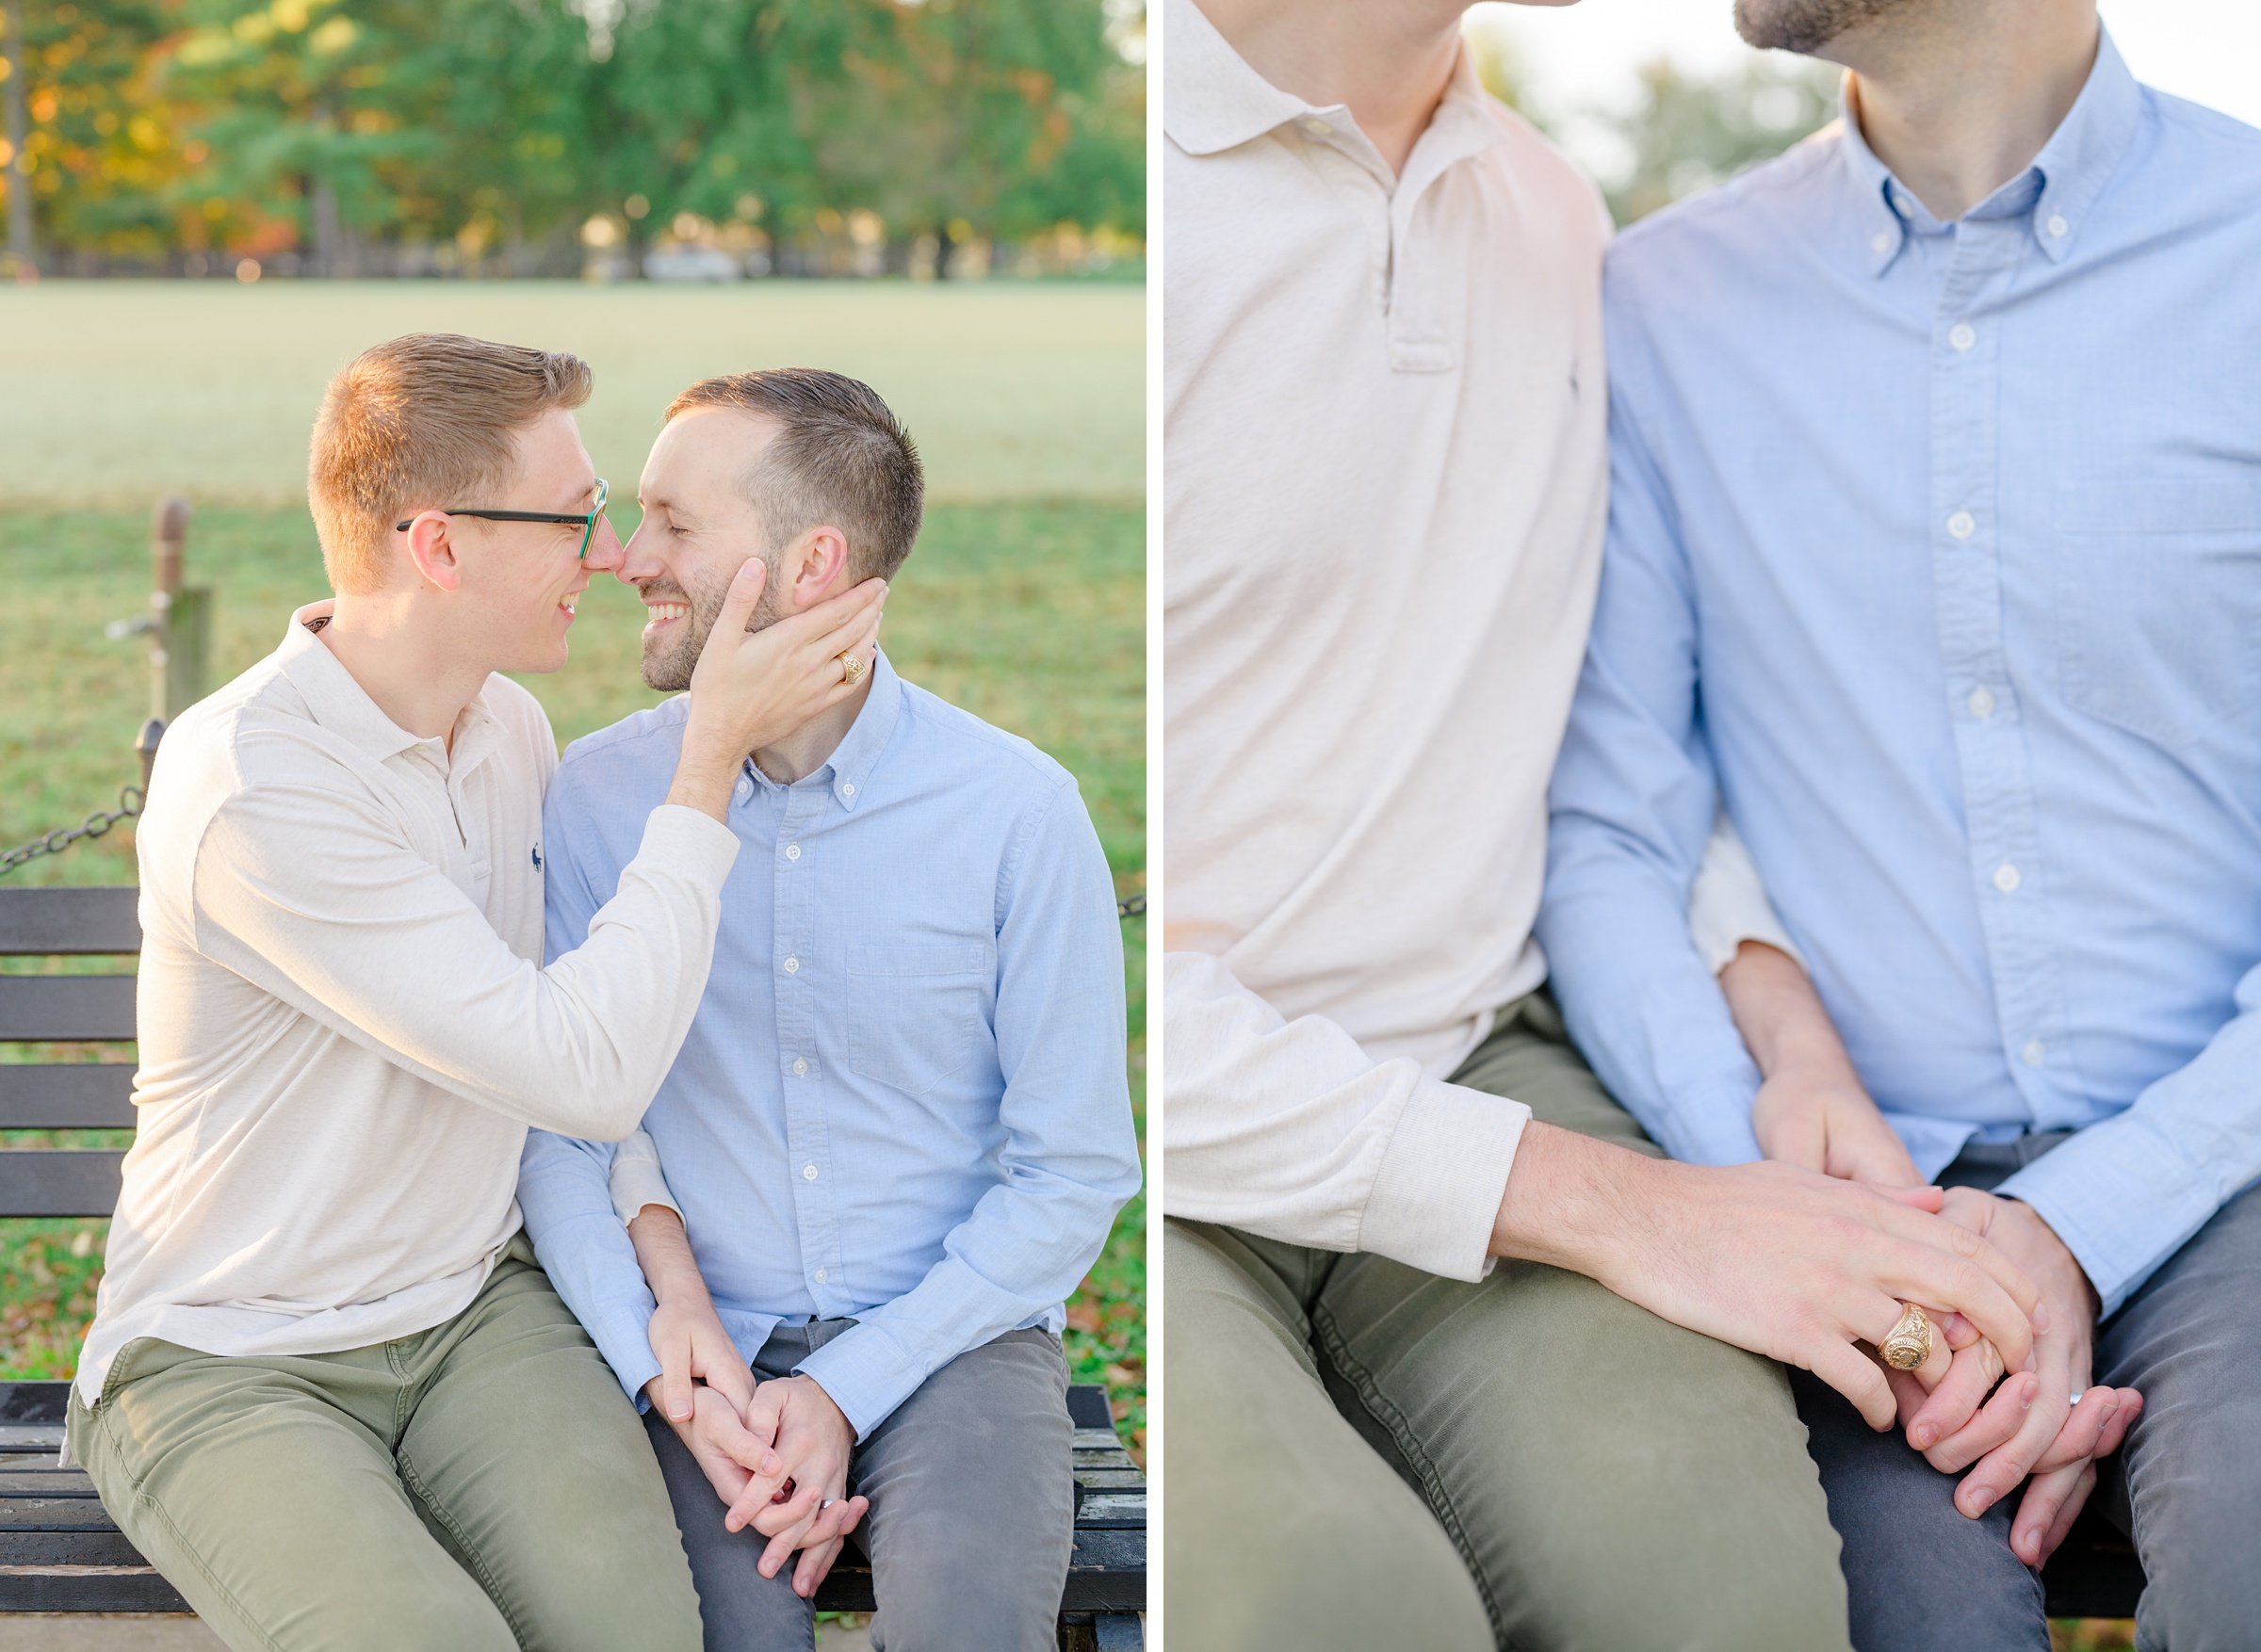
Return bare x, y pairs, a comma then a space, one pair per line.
65, 1009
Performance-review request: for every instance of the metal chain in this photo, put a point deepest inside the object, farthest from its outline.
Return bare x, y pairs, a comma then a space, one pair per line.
129, 805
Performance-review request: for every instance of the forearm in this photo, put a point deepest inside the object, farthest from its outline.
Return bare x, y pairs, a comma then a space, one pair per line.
663, 1251
1571, 1202
1781, 1017
706, 770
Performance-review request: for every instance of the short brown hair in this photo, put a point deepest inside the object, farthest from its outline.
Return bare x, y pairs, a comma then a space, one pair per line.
840, 458
420, 422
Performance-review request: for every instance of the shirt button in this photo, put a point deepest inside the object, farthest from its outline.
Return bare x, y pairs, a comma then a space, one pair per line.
800, 1069
744, 787
848, 788
1316, 127
2033, 1052
2006, 878
1962, 525
2059, 227
792, 851
792, 967
808, 1173
1983, 702
1962, 335
1882, 243
819, 1276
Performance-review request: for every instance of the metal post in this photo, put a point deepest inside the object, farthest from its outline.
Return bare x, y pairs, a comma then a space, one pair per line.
20, 250
181, 616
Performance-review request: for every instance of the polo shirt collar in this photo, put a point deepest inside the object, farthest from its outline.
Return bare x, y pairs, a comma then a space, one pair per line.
1211, 101
2057, 190
849, 768
343, 706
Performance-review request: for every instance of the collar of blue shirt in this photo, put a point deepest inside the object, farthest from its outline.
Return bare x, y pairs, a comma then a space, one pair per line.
2072, 170
850, 762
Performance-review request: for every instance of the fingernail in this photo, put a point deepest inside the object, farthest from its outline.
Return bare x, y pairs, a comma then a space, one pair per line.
1981, 1500
2041, 1316
2032, 1388
1925, 1434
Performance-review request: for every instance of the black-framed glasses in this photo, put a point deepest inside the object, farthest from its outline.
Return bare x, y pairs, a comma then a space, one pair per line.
587, 519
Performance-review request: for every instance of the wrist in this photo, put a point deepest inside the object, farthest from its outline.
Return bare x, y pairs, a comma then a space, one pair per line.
704, 771
1568, 1202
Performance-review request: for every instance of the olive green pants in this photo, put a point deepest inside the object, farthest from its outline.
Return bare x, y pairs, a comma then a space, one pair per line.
482, 1486
1359, 1455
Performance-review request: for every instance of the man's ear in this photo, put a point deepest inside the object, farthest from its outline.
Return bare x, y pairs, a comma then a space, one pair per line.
431, 552
814, 566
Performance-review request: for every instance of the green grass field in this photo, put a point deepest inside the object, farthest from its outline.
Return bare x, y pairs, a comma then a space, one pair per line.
1025, 606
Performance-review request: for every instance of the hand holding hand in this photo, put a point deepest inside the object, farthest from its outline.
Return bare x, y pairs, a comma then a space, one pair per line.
1824, 1120
1779, 1260
692, 1347
797, 1495
2036, 1431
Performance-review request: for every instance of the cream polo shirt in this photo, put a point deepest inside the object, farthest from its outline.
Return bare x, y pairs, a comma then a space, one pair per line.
1386, 477
345, 1025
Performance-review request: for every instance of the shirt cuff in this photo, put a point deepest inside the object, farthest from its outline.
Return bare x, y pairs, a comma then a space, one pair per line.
866, 1374
1436, 1199
638, 1180
2122, 1198
626, 1343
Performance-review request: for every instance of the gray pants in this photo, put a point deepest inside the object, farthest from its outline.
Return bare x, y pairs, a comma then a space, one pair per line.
972, 1489
2187, 1481
1362, 1455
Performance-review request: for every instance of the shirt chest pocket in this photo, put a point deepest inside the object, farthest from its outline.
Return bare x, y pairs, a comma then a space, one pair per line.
918, 1014
2159, 602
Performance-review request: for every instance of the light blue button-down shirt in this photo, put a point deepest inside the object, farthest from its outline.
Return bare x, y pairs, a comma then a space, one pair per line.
903, 1098
1936, 550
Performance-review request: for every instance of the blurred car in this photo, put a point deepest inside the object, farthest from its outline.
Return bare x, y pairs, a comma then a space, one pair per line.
692, 263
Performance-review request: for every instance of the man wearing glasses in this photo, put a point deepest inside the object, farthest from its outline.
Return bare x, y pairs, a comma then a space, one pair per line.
328, 1391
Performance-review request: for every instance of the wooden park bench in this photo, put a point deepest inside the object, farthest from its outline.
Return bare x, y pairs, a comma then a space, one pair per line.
60, 1551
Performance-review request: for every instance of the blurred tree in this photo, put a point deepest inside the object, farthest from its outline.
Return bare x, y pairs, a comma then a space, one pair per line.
496, 129
93, 142
1690, 133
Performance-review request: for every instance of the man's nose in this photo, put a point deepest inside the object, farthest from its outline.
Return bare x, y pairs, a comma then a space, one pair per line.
605, 551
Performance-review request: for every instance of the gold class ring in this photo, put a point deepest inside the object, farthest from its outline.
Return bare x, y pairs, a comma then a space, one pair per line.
1908, 1344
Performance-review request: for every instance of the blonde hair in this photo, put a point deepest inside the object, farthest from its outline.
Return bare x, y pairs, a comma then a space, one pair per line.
840, 457
418, 422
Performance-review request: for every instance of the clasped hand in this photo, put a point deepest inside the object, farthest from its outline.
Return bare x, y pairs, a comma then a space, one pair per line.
1962, 1410
775, 1452
2029, 1429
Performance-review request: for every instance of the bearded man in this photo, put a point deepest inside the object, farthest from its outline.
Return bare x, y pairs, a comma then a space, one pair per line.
1937, 488
836, 1258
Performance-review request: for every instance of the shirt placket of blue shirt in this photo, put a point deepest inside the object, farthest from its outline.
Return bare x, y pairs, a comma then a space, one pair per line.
1982, 704
794, 965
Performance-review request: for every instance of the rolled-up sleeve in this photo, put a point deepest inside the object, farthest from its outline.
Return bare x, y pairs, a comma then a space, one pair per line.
1289, 1130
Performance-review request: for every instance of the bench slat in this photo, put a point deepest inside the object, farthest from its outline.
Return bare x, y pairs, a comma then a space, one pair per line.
43, 1182
69, 1589
86, 1096
39, 1008
45, 921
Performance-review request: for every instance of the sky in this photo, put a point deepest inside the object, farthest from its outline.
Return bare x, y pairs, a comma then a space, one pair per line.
1585, 55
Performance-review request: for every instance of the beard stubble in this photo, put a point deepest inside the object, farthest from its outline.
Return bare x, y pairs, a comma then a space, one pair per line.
670, 667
